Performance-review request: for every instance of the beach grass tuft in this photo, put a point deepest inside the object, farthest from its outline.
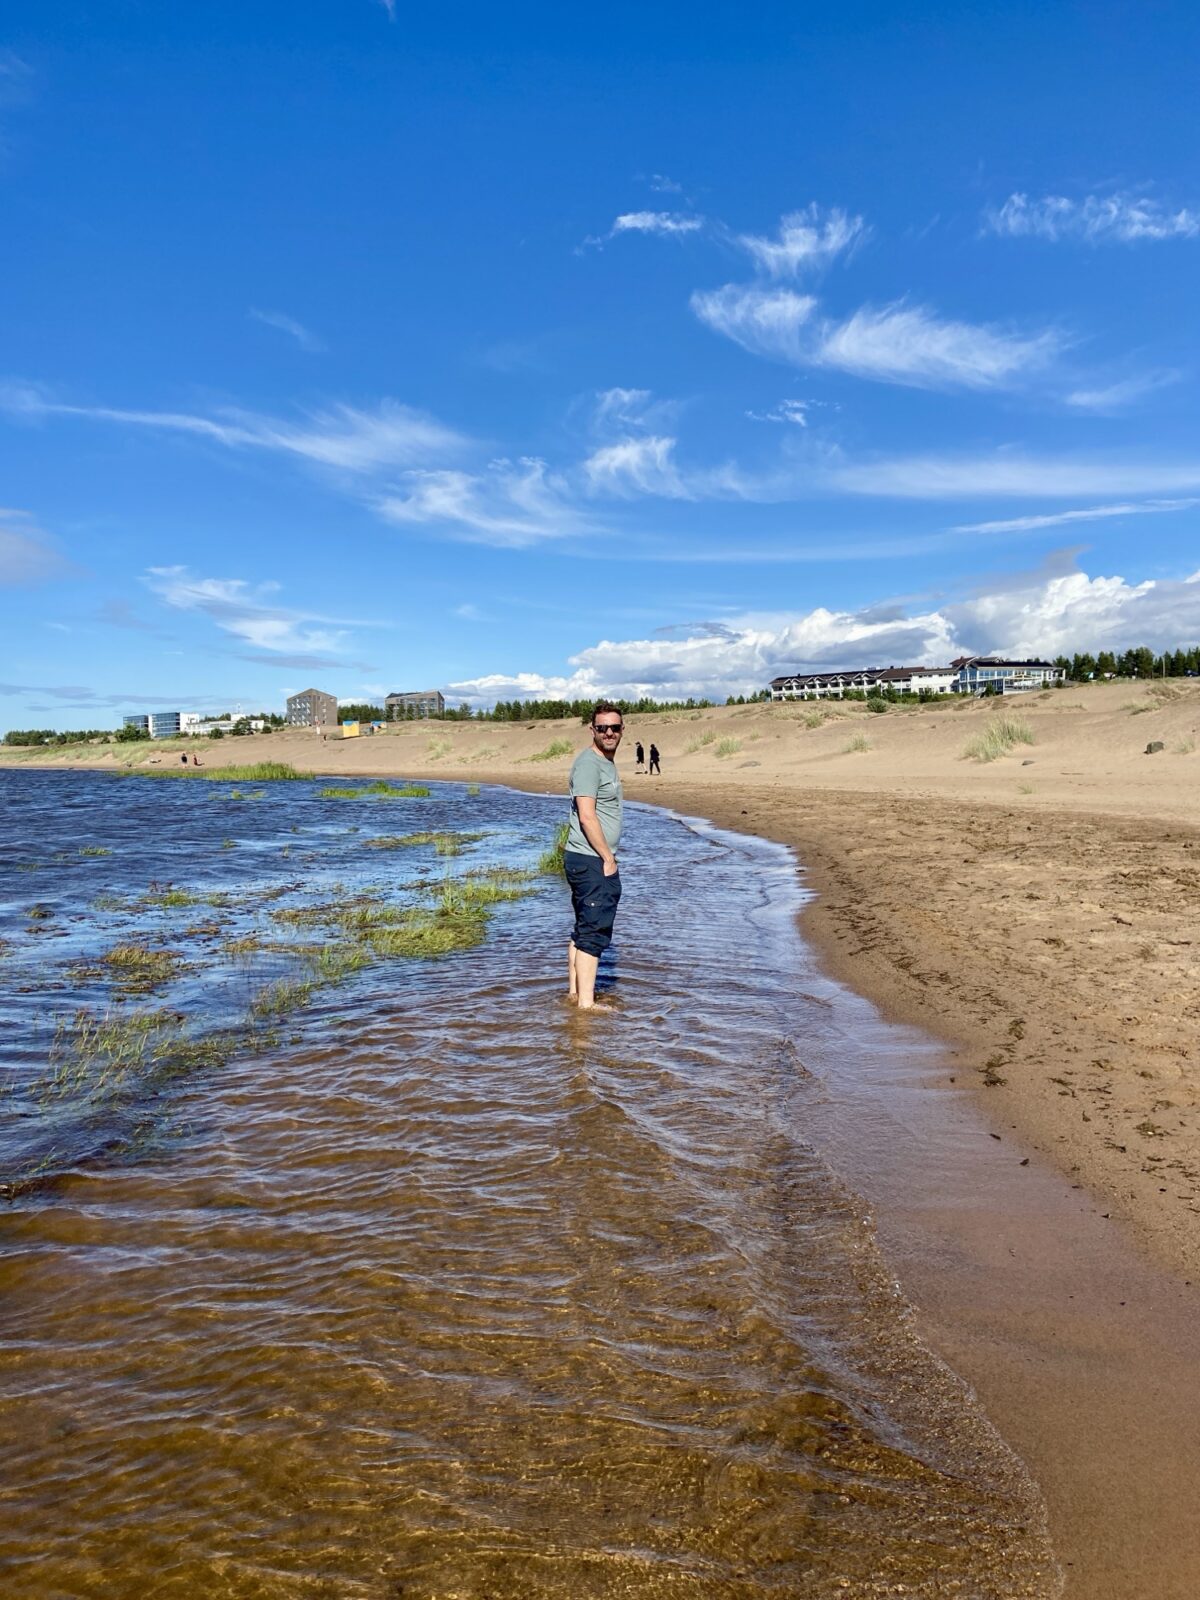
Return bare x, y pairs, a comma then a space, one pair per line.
281, 997
857, 746
135, 968
379, 790
166, 896
485, 887
556, 748
997, 739
333, 963
551, 860
727, 747
101, 1057
256, 772
445, 843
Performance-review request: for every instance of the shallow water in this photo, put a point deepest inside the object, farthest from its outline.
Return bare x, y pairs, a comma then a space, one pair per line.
438, 1289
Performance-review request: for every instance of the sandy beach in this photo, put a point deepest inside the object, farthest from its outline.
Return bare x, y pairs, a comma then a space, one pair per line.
1036, 914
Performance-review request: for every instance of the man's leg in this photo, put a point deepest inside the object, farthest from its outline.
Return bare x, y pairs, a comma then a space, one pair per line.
585, 972
572, 980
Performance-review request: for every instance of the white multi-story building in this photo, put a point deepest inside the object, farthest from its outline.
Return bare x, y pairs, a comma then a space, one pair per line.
834, 685
981, 674
968, 675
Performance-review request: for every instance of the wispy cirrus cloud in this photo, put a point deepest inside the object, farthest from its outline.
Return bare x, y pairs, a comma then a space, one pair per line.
1054, 519
911, 345
81, 696
765, 321
642, 465
304, 337
1107, 398
512, 503
1012, 474
27, 554
341, 436
793, 412
898, 343
666, 224
806, 241
279, 634
658, 224
1094, 219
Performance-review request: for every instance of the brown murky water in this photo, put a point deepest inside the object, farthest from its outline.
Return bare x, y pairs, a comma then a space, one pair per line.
460, 1295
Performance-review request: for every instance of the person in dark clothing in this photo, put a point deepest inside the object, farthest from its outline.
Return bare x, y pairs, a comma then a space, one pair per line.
654, 766
641, 756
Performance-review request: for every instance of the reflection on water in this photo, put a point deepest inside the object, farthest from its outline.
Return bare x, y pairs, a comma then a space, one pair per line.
449, 1292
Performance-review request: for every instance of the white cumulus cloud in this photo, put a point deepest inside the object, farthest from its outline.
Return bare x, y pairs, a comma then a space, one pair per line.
1049, 612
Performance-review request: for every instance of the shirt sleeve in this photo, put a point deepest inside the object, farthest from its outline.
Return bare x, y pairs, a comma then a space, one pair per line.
586, 779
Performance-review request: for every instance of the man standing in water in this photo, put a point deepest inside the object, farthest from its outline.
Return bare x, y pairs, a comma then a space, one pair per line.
589, 859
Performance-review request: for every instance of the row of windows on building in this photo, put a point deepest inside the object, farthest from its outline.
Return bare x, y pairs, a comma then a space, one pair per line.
313, 708
966, 675
170, 724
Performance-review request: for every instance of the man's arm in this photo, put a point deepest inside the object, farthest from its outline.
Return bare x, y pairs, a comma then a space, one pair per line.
585, 806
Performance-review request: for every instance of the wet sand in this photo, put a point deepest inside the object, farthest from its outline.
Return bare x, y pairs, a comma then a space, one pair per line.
1038, 919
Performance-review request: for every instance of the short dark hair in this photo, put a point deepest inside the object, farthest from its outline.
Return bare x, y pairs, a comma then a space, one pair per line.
605, 705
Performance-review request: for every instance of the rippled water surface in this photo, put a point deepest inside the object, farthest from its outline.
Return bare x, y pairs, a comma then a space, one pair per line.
430, 1287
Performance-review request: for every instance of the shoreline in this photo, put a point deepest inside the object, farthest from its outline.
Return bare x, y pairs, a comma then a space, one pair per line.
1082, 1348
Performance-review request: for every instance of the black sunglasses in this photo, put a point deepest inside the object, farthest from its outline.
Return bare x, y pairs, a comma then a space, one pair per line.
609, 727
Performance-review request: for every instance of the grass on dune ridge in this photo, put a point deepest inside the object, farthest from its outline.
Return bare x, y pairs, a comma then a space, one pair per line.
997, 739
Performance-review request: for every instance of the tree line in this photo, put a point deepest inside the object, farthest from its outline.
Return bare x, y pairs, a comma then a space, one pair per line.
1137, 663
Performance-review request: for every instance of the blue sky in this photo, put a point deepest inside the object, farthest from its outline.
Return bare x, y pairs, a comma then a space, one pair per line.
538, 349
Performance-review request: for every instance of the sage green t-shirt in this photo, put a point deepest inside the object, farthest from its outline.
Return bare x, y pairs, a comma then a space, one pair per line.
597, 776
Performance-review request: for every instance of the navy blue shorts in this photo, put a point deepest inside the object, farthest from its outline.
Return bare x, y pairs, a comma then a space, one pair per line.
595, 899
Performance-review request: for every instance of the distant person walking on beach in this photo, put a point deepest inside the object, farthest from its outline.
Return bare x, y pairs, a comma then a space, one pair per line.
641, 756
654, 766
589, 859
